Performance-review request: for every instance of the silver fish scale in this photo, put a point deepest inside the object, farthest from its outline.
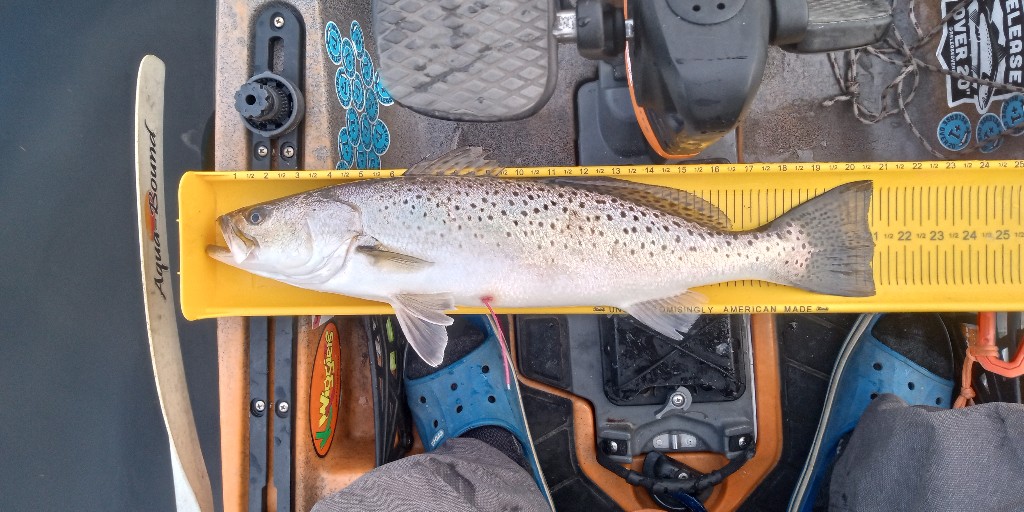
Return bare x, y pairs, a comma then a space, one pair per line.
534, 224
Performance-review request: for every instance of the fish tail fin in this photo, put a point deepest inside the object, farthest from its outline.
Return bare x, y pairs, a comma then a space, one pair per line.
832, 246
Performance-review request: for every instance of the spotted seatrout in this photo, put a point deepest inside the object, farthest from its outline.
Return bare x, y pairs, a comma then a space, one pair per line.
436, 239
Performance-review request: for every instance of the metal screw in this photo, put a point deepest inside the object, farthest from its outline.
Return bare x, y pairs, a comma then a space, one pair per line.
282, 408
278, 21
743, 441
613, 447
258, 407
288, 151
262, 151
678, 399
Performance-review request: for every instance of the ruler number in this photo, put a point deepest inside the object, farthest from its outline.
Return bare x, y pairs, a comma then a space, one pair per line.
250, 175
970, 235
915, 165
984, 165
936, 235
904, 236
1018, 164
1002, 234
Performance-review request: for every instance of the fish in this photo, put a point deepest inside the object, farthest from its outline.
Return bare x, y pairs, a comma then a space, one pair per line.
989, 49
450, 232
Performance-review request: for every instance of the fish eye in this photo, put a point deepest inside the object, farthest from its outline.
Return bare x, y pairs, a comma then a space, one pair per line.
255, 216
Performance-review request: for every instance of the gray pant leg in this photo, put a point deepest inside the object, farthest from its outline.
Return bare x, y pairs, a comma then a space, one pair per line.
462, 475
928, 459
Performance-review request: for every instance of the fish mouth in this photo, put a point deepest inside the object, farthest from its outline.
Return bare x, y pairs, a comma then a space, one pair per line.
239, 245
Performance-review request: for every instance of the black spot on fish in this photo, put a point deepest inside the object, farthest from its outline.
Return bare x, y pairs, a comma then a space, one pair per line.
636, 218
536, 210
750, 242
457, 207
623, 214
649, 229
523, 213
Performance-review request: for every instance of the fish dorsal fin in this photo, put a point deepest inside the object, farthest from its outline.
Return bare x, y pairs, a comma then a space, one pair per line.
389, 259
467, 161
664, 199
669, 316
423, 321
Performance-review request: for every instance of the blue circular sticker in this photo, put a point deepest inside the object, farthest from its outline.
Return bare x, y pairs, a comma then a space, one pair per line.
352, 123
1012, 114
381, 137
372, 107
365, 133
332, 40
358, 94
357, 35
954, 131
346, 152
373, 161
383, 96
990, 130
366, 67
344, 86
348, 56
362, 159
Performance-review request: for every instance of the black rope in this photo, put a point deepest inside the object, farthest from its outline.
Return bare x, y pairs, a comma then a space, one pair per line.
897, 96
671, 485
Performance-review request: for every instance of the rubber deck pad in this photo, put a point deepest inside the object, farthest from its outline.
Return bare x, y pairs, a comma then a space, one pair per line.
550, 419
808, 348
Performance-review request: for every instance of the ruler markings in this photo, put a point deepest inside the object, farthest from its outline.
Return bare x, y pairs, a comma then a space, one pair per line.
928, 262
945, 268
888, 204
921, 208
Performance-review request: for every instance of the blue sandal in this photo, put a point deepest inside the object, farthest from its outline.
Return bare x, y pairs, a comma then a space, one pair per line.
865, 369
471, 393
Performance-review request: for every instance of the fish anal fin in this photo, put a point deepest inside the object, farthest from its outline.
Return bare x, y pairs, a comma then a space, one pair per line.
679, 203
670, 316
465, 161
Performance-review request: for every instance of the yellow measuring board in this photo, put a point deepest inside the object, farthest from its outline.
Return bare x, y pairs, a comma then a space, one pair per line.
949, 235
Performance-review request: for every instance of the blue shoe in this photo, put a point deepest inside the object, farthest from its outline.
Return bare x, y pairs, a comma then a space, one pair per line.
914, 362
470, 393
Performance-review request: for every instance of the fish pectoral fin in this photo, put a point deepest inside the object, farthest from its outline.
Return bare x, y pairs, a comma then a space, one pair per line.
423, 322
669, 316
466, 161
391, 260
